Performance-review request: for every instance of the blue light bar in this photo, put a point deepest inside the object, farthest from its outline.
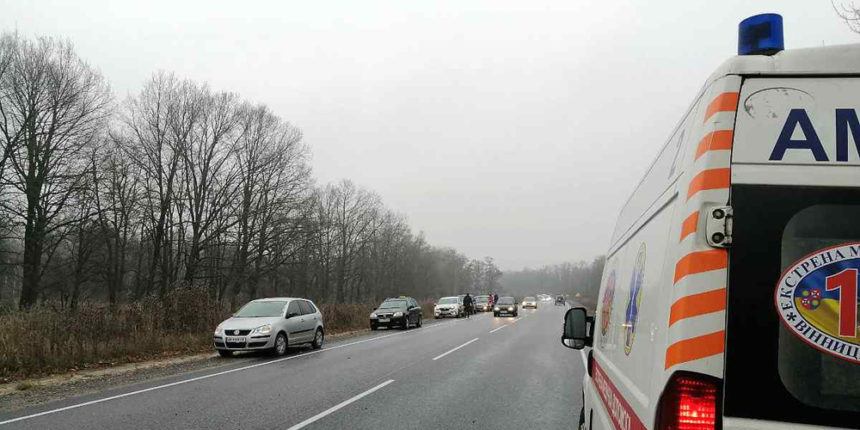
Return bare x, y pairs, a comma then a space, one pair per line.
760, 35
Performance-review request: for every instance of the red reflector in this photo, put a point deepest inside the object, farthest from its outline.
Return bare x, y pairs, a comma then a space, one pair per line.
690, 402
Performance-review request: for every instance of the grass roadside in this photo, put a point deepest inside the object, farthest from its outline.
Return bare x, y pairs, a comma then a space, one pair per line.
45, 341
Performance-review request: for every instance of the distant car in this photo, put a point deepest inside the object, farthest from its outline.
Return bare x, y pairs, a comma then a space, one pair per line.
270, 324
559, 300
506, 306
396, 312
449, 307
483, 303
529, 302
545, 298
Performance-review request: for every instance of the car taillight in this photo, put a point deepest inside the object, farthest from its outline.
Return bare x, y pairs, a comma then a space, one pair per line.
691, 401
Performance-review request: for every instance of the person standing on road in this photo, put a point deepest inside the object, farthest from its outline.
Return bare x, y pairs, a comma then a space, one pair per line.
495, 298
467, 303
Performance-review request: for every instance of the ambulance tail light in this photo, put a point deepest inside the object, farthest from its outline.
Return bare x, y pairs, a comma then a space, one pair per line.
760, 35
691, 401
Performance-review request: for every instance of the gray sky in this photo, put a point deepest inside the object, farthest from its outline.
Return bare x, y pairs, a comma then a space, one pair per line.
514, 129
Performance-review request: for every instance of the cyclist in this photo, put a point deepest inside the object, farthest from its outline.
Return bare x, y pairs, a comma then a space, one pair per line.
468, 304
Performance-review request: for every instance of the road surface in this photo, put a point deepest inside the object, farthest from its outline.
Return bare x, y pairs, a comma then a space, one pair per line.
482, 372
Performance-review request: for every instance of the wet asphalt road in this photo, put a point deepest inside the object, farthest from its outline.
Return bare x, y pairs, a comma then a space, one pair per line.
482, 372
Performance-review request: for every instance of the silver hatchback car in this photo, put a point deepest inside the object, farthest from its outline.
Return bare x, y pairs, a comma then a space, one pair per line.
271, 324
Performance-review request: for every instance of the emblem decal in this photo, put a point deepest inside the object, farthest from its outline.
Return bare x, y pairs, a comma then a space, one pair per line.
606, 306
634, 299
817, 300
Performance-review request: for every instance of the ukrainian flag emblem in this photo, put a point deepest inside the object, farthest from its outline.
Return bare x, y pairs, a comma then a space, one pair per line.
817, 299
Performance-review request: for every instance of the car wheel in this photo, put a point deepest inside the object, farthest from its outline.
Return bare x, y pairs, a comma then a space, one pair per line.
224, 353
373, 327
496, 314
405, 325
280, 347
419, 321
319, 338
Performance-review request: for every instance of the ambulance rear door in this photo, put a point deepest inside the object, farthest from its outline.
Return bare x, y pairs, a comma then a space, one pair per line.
792, 347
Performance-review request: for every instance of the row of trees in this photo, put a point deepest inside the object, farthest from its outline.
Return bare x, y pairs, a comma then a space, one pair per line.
181, 185
580, 280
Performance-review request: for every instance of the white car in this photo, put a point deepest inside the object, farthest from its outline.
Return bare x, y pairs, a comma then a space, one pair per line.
449, 307
529, 302
270, 324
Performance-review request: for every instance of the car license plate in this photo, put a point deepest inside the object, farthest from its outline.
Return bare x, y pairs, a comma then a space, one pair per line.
240, 339
383, 320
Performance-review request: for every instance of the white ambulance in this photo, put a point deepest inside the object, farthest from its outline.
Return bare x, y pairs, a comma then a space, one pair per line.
730, 293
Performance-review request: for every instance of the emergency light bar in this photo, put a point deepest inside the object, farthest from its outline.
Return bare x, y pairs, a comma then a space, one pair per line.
760, 35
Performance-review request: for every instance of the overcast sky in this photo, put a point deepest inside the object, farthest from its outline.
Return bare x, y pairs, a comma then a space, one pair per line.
514, 129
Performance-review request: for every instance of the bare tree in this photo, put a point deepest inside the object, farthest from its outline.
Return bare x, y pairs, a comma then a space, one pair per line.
274, 178
156, 126
849, 13
115, 193
209, 175
53, 107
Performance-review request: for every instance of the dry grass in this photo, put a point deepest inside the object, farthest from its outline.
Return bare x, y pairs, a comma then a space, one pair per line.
43, 341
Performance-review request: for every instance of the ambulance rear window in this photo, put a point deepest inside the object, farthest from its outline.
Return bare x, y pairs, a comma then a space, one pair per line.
788, 357
811, 373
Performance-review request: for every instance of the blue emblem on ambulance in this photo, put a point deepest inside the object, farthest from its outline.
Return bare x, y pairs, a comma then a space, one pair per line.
817, 300
634, 299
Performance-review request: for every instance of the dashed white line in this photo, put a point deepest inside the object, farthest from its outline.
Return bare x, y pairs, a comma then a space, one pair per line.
211, 375
498, 328
450, 351
340, 405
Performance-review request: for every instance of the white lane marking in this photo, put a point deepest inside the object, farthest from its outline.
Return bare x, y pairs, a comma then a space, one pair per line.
584, 358
516, 319
340, 405
497, 329
212, 375
446, 353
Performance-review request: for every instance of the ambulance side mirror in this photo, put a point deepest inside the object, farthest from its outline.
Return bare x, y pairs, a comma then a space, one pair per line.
578, 331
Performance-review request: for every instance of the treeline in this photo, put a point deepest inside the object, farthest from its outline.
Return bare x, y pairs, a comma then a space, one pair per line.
181, 185
581, 280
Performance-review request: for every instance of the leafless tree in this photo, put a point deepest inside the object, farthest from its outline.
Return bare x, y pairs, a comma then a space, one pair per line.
156, 126
115, 185
209, 175
53, 107
849, 13
274, 189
